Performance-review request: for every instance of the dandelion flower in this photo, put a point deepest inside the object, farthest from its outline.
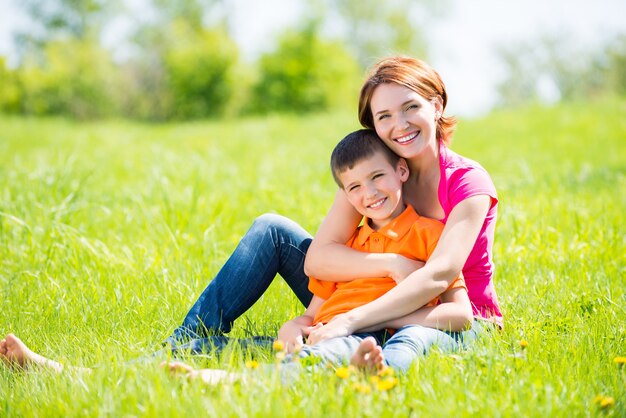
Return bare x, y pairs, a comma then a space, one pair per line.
386, 384
278, 345
620, 361
252, 364
607, 402
386, 371
598, 398
374, 379
342, 372
362, 388
523, 343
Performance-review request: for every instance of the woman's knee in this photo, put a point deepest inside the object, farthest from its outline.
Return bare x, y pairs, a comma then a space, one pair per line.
280, 229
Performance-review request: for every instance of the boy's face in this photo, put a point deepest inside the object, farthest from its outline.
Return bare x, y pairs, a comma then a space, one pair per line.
374, 187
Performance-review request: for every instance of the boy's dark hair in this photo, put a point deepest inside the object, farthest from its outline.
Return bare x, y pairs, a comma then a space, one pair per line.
354, 148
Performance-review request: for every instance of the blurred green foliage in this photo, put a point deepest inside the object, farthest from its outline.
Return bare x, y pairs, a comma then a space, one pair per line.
553, 68
72, 77
199, 66
185, 65
306, 73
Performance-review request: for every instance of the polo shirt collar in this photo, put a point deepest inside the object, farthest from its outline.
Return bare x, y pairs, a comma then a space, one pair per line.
395, 230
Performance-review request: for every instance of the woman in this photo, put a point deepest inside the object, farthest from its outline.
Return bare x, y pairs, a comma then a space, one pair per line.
403, 99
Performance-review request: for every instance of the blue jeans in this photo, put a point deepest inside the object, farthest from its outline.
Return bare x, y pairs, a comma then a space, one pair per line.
400, 350
273, 245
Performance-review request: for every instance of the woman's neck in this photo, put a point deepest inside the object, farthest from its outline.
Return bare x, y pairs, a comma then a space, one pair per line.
426, 164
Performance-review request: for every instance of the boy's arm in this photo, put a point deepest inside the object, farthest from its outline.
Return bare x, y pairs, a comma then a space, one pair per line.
454, 313
292, 332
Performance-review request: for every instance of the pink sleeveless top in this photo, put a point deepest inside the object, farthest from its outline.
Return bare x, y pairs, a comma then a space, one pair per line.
462, 178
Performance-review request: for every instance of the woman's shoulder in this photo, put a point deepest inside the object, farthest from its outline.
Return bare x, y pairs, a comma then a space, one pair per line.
463, 177
453, 161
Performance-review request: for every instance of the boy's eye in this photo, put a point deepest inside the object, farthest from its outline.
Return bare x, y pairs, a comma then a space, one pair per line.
377, 175
353, 188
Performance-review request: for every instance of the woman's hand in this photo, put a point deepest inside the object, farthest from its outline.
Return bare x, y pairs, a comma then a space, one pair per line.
403, 266
339, 326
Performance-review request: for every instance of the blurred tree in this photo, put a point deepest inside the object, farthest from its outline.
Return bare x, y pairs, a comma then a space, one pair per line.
306, 73
10, 93
553, 68
62, 19
184, 62
615, 72
199, 66
373, 29
76, 78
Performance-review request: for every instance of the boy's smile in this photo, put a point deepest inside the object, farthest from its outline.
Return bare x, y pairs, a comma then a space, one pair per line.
374, 187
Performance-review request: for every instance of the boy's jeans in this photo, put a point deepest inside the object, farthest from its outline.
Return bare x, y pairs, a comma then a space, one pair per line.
400, 350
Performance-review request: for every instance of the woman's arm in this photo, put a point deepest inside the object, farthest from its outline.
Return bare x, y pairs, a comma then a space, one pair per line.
454, 313
328, 258
423, 285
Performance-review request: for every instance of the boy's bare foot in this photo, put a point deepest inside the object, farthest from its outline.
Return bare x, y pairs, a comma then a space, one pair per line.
208, 376
14, 353
368, 356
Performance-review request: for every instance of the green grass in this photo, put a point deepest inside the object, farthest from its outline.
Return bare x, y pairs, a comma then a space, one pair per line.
109, 231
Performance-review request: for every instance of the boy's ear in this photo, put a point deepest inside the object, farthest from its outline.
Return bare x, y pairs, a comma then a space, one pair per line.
402, 169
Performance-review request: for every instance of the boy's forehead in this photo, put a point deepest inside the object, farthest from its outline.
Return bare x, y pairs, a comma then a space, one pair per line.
374, 162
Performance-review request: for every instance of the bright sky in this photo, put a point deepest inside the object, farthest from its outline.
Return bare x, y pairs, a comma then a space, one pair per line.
462, 43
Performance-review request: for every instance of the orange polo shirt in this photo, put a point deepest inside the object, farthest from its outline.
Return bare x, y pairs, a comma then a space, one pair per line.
410, 235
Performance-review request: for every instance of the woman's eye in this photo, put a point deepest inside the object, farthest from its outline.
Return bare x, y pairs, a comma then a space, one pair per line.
381, 117
413, 106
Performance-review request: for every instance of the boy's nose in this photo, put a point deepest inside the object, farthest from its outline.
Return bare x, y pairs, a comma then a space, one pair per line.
371, 191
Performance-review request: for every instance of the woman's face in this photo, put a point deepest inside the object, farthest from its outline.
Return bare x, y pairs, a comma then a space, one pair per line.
404, 120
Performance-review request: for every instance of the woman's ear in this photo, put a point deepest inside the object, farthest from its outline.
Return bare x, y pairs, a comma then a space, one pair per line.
437, 102
402, 169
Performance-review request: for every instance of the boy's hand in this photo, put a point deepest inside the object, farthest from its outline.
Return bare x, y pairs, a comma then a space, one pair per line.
292, 332
339, 326
403, 267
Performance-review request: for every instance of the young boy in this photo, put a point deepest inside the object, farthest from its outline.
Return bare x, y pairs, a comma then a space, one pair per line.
372, 177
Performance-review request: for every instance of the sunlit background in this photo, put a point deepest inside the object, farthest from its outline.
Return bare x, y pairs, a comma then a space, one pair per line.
163, 60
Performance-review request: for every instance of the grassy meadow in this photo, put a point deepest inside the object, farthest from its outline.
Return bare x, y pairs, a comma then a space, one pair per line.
110, 230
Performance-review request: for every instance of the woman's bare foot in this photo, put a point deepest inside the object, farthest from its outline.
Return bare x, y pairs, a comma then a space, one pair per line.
208, 376
14, 353
368, 356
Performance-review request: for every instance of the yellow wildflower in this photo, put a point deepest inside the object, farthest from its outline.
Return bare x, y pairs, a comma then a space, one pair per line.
362, 388
252, 364
386, 384
374, 379
278, 345
607, 402
620, 361
523, 343
386, 371
342, 372
604, 401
